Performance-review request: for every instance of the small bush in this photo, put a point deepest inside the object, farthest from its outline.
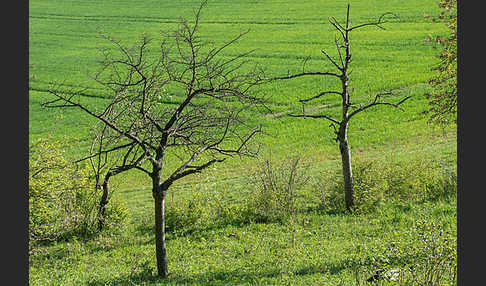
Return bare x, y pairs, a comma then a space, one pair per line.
203, 209
116, 214
187, 214
370, 184
438, 255
423, 177
62, 200
330, 191
425, 254
274, 198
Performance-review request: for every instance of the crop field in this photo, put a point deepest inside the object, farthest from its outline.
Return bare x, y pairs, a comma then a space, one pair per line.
214, 243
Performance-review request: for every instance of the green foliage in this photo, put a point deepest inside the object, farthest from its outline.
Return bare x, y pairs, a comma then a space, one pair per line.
276, 190
325, 251
443, 98
436, 253
116, 214
276, 195
202, 209
376, 180
330, 192
421, 178
59, 200
424, 255
62, 199
186, 214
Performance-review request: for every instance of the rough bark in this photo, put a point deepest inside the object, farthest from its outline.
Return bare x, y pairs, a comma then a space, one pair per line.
159, 191
160, 247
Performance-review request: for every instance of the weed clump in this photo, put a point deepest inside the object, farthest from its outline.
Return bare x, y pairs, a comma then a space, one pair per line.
276, 191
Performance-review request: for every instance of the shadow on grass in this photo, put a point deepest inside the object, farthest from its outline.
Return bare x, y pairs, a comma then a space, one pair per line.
148, 229
212, 278
224, 277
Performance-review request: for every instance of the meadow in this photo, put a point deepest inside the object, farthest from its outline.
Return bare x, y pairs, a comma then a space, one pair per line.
213, 240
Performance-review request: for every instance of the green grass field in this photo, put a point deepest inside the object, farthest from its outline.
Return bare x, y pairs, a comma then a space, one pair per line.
64, 47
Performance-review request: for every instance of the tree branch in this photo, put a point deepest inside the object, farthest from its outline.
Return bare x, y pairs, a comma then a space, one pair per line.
338, 26
376, 102
108, 123
191, 170
332, 61
105, 151
377, 23
299, 75
316, 116
319, 95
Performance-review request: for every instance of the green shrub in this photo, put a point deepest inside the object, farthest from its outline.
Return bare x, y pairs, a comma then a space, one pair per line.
276, 190
186, 214
62, 200
423, 254
202, 209
436, 253
330, 191
420, 177
116, 214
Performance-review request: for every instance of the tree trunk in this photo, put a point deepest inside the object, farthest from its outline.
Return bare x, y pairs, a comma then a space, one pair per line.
160, 248
104, 201
347, 169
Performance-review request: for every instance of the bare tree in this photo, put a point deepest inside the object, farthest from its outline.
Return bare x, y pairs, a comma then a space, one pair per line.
185, 105
349, 110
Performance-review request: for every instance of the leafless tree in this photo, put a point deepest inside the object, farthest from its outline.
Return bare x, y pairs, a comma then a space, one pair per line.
185, 105
349, 110
101, 165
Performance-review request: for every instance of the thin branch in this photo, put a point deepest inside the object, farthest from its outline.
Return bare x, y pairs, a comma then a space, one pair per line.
214, 52
177, 173
347, 19
105, 151
108, 123
338, 26
339, 51
335, 131
119, 169
300, 74
377, 23
332, 60
190, 170
304, 63
319, 95
376, 102
316, 116
243, 144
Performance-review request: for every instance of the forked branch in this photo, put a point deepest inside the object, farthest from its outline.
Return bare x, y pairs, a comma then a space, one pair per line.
376, 101
376, 23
